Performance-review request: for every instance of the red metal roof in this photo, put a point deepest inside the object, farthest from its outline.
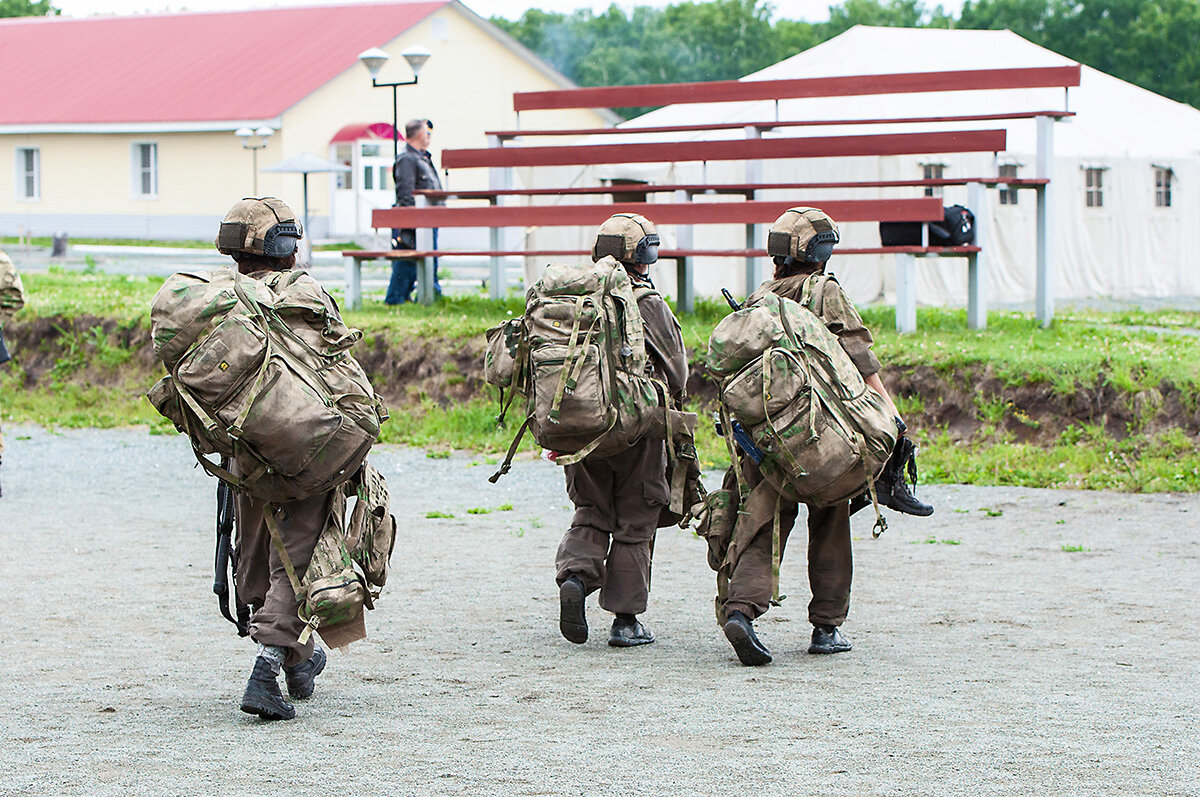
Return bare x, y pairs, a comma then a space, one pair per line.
186, 67
361, 130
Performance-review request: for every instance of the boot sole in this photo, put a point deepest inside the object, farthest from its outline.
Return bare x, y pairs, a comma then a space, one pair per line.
822, 650
572, 622
629, 642
747, 651
267, 712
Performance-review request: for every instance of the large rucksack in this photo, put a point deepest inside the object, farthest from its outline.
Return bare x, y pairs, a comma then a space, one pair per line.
788, 385
12, 293
260, 371
578, 356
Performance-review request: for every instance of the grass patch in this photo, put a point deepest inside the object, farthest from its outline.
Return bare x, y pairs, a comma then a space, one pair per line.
439, 515
479, 510
1073, 548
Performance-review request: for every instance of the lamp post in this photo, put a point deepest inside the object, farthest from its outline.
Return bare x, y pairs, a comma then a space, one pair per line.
245, 134
374, 60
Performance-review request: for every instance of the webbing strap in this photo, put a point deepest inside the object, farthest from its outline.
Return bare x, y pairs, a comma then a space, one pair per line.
578, 456
880, 522
277, 539
567, 361
734, 461
581, 360
512, 452
776, 552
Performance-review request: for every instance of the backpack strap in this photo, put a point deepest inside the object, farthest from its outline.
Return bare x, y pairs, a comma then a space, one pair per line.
512, 452
310, 623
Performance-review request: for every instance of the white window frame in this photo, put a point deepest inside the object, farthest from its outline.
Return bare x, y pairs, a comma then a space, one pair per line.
22, 174
933, 170
1008, 194
1093, 192
137, 171
1164, 179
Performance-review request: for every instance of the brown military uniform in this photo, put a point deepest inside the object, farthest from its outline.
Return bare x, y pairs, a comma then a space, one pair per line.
830, 564
618, 499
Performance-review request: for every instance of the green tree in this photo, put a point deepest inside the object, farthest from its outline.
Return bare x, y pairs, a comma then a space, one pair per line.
27, 8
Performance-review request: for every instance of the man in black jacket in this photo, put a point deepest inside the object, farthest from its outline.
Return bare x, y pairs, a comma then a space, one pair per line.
412, 171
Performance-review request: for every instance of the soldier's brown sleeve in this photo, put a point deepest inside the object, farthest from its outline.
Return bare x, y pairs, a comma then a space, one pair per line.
838, 313
664, 342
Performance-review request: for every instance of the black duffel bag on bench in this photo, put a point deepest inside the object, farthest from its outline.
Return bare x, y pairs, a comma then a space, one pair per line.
957, 228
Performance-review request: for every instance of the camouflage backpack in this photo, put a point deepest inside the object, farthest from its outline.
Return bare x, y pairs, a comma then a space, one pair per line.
349, 565
12, 293
789, 389
260, 371
578, 356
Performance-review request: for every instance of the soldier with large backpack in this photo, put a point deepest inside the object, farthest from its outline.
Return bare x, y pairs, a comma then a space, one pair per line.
12, 299
802, 398
599, 358
260, 373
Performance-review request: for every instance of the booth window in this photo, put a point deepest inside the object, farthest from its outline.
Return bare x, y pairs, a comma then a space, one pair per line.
1008, 196
1094, 183
29, 173
933, 171
145, 170
1162, 187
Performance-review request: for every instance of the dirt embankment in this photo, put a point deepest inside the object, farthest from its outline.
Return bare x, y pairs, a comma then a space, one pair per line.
964, 402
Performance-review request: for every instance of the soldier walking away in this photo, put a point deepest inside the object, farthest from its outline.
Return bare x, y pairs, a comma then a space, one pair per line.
619, 498
412, 171
801, 242
12, 299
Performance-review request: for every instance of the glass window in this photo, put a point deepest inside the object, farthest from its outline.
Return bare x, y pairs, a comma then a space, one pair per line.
1094, 185
368, 178
29, 173
342, 154
1162, 187
384, 173
1008, 196
145, 169
933, 171
370, 150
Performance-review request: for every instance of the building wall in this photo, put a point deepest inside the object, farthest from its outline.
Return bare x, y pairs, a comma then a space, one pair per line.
87, 178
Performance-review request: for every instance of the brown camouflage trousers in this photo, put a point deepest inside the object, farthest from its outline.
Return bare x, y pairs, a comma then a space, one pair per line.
830, 562
262, 581
617, 504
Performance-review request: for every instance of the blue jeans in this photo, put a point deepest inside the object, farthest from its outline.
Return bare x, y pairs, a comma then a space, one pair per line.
404, 279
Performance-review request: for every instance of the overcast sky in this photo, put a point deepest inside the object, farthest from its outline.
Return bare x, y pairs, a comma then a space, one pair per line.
811, 10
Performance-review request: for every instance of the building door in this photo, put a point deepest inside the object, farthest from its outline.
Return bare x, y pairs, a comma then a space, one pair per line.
367, 151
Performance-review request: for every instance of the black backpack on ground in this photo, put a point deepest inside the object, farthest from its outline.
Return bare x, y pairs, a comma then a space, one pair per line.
957, 228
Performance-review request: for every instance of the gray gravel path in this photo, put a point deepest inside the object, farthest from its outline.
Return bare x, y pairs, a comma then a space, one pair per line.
987, 659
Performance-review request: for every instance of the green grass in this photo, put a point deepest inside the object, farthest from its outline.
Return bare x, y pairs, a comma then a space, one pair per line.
436, 515
97, 382
1073, 548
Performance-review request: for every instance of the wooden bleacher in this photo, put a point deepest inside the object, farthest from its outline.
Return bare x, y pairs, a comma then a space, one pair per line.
501, 159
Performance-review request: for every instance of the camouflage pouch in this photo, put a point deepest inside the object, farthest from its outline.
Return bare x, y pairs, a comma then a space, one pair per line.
715, 522
12, 293
371, 532
500, 359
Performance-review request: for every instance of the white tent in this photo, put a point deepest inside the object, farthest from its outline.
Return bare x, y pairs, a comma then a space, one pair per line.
1128, 245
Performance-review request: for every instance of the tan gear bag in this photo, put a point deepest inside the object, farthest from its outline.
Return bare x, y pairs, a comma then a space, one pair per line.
260, 370
580, 360
349, 565
823, 434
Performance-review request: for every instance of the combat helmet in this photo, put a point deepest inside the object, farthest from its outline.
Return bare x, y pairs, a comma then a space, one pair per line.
259, 226
629, 238
806, 234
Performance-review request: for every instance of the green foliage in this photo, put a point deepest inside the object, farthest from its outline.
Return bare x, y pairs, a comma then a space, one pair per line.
27, 8
479, 510
1073, 548
439, 515
1151, 43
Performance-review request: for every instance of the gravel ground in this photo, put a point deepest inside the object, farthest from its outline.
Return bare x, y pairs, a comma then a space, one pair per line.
989, 656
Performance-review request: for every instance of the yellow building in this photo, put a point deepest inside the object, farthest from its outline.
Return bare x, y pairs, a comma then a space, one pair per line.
124, 126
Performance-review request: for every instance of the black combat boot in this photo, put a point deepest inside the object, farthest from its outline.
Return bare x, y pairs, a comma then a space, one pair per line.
828, 639
740, 633
262, 696
892, 488
301, 678
627, 632
572, 621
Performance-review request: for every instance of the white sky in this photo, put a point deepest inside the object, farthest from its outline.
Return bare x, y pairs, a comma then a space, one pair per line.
811, 10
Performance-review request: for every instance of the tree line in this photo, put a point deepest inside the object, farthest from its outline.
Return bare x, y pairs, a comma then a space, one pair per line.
1154, 44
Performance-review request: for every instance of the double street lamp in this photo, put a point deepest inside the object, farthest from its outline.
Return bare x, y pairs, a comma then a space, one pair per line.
246, 134
374, 60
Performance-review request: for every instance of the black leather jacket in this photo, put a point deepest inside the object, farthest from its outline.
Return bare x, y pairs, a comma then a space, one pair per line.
412, 171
